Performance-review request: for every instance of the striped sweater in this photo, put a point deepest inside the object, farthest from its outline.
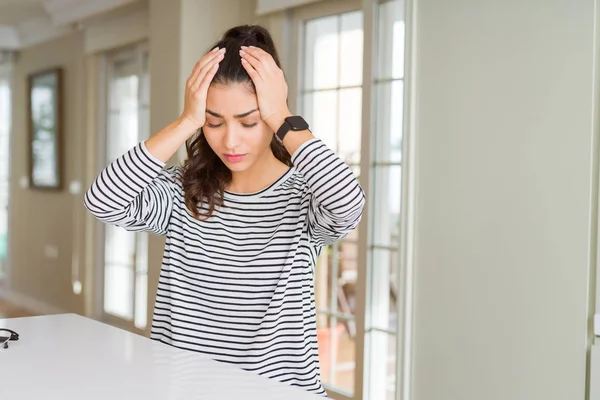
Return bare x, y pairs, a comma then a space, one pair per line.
238, 287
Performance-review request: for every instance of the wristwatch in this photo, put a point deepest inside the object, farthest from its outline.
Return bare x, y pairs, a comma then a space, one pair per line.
293, 123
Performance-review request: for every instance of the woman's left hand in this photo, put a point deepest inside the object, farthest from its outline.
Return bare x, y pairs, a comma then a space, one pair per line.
271, 88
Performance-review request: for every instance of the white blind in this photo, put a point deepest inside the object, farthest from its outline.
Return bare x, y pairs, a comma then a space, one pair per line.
269, 6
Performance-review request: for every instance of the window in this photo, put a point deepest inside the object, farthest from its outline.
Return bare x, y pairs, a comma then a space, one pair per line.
125, 294
386, 177
337, 43
331, 101
5, 126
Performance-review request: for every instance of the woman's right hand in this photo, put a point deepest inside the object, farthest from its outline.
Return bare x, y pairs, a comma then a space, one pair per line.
197, 85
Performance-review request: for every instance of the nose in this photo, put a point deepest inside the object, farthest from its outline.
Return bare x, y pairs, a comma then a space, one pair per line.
232, 137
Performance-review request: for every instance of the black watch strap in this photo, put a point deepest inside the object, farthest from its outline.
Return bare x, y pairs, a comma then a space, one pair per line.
293, 123
283, 130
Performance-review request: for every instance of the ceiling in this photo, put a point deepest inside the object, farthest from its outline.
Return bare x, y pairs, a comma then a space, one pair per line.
25, 23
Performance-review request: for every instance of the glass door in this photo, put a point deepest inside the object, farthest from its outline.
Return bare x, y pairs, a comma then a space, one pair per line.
124, 265
350, 87
5, 127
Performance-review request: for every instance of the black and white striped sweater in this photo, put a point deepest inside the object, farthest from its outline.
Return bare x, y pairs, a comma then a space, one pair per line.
238, 287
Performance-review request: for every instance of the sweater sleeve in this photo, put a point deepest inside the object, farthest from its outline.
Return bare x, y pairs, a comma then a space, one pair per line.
337, 200
134, 192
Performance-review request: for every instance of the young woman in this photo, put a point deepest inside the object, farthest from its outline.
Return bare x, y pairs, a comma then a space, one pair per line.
245, 217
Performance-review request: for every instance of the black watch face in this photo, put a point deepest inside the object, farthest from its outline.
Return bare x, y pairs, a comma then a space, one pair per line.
297, 123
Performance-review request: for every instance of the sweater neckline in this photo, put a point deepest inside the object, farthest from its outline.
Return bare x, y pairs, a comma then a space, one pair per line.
261, 193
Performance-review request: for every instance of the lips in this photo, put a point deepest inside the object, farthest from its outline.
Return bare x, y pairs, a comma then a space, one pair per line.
234, 158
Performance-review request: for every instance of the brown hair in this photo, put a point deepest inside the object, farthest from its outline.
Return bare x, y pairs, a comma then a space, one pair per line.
205, 177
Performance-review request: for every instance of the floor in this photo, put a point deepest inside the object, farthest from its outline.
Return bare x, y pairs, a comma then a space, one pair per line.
9, 310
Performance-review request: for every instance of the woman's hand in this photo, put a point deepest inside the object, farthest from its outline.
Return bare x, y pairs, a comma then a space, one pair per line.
271, 88
197, 85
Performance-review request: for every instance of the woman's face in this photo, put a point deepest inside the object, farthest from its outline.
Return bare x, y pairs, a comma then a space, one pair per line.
234, 128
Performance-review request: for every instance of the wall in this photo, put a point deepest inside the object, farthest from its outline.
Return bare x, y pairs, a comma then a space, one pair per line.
504, 168
121, 26
39, 219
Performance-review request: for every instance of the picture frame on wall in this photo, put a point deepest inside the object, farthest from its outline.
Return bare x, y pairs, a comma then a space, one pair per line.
45, 129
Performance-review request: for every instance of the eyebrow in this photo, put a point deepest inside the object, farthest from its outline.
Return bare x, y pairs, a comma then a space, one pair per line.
243, 115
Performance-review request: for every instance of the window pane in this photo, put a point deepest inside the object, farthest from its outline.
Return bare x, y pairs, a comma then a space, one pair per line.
351, 44
118, 290
388, 143
123, 116
145, 82
337, 355
144, 123
322, 284
320, 109
391, 40
386, 216
141, 280
144, 120
141, 300
336, 281
321, 51
384, 293
5, 119
350, 111
346, 279
356, 170
335, 278
382, 374
120, 246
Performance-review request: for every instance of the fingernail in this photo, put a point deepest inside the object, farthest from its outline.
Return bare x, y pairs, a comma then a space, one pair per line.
244, 47
215, 49
242, 53
222, 50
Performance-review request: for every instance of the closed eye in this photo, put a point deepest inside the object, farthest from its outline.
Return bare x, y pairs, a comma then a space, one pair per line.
221, 124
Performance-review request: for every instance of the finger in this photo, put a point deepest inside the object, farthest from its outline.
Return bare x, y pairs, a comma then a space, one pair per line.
209, 69
254, 75
265, 58
200, 63
209, 58
255, 64
207, 79
195, 82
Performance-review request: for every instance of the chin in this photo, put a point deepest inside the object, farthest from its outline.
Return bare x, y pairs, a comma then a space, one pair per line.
236, 166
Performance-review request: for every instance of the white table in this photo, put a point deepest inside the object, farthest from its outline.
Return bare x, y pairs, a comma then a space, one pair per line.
68, 356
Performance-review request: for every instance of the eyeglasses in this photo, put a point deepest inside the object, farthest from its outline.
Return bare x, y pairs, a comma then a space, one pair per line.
6, 335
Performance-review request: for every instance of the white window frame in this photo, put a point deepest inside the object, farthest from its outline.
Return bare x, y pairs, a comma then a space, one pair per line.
404, 278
